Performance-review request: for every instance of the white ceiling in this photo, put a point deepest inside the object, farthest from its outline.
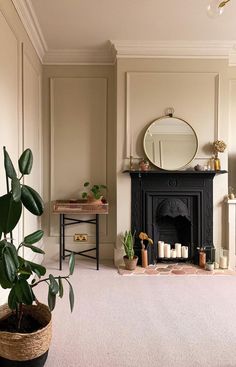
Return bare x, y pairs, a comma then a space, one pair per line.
82, 28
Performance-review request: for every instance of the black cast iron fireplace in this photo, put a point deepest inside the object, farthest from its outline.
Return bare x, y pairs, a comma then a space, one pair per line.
173, 207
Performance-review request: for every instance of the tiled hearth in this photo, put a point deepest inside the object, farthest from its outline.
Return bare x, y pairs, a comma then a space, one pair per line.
173, 269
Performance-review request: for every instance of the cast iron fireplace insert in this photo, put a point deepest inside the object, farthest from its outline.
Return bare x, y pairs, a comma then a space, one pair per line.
173, 206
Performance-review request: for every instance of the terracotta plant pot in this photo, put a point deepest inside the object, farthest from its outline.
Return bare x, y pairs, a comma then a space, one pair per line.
29, 349
130, 264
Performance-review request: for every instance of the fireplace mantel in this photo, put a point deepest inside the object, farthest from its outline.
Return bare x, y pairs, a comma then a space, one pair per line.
193, 188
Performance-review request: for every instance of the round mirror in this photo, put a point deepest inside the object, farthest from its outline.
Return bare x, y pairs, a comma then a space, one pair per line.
170, 143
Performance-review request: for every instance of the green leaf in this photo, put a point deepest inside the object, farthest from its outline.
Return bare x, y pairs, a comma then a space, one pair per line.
34, 249
16, 189
23, 292
9, 168
9, 265
12, 299
53, 286
71, 297
33, 237
36, 268
86, 184
13, 253
25, 162
10, 213
4, 282
51, 300
72, 263
31, 200
61, 289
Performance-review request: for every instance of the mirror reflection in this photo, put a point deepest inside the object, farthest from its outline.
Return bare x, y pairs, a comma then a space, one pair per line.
170, 143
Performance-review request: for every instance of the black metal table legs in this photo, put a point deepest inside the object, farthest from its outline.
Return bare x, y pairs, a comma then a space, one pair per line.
65, 221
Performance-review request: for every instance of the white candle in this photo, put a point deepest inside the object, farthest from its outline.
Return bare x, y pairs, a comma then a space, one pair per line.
160, 249
223, 262
178, 249
167, 250
173, 253
184, 252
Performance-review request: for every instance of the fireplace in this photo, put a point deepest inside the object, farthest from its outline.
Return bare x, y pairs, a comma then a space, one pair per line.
173, 207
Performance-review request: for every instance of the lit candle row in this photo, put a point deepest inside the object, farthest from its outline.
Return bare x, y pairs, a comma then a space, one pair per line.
164, 250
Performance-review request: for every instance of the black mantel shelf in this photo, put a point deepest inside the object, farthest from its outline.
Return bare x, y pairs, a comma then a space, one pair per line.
186, 172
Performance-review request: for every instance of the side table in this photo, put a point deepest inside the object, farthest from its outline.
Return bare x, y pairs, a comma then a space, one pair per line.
80, 207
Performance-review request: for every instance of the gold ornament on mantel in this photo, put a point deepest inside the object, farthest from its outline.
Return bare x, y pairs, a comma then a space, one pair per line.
219, 146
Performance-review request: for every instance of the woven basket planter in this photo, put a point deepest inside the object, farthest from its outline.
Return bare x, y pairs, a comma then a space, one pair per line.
30, 349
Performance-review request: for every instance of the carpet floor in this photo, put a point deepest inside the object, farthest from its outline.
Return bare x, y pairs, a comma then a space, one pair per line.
148, 321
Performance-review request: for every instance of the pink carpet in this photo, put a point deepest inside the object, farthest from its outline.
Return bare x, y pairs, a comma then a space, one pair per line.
161, 321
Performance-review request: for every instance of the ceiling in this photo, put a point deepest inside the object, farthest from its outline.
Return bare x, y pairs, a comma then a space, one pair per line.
80, 30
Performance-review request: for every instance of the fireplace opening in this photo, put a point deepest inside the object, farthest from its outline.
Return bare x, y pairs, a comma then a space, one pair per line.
173, 223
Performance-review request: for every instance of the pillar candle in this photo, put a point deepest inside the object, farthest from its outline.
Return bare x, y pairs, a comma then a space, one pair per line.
184, 252
178, 249
167, 250
173, 253
223, 262
160, 249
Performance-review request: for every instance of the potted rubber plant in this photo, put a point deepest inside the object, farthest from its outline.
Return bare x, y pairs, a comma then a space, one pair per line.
130, 259
25, 323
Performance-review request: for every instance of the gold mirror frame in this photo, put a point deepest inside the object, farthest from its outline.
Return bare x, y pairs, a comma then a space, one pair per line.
161, 151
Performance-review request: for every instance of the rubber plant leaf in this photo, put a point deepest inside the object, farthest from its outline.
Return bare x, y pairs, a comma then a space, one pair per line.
51, 300
9, 168
12, 300
72, 263
10, 213
34, 249
13, 253
71, 297
33, 237
9, 265
36, 268
4, 282
31, 200
23, 292
16, 189
25, 162
61, 289
53, 286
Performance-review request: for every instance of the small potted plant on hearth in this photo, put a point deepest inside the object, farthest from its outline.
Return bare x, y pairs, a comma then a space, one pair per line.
130, 259
25, 324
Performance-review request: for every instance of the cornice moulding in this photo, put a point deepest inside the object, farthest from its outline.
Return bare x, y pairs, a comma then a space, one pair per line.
76, 57
171, 49
31, 24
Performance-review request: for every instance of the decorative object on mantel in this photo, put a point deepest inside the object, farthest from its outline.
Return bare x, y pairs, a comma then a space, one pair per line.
130, 259
144, 165
202, 257
95, 193
219, 146
145, 242
231, 195
224, 256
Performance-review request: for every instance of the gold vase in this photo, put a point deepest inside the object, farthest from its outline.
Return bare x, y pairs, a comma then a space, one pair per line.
217, 164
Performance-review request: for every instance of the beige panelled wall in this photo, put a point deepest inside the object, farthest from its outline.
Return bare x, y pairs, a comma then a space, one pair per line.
20, 112
79, 146
198, 90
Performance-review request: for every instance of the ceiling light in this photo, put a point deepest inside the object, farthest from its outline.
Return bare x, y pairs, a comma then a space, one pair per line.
216, 7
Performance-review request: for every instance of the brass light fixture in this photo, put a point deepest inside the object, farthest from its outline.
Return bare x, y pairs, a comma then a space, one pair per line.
216, 7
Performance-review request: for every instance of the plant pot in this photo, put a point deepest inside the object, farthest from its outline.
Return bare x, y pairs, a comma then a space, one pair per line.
130, 264
30, 349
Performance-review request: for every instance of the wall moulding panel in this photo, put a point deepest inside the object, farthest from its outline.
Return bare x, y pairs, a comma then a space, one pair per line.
78, 115
159, 90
